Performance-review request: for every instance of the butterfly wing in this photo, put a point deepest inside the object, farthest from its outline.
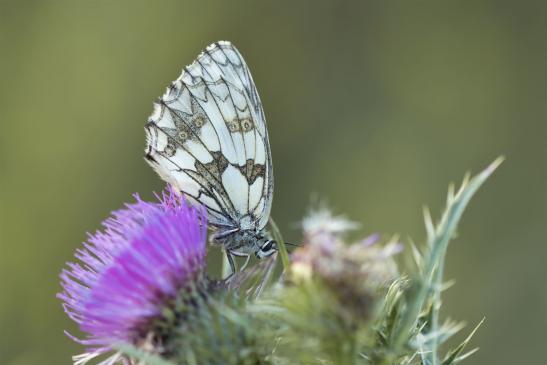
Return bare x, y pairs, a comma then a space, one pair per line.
207, 137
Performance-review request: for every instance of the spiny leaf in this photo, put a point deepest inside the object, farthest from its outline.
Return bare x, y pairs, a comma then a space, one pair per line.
429, 225
444, 231
417, 256
466, 355
452, 356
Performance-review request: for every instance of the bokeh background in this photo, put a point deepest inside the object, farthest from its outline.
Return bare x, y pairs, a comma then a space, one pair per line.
375, 106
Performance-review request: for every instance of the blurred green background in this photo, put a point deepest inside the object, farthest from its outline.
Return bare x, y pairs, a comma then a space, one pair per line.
375, 106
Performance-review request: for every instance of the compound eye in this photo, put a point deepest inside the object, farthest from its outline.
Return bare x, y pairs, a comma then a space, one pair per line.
267, 246
266, 250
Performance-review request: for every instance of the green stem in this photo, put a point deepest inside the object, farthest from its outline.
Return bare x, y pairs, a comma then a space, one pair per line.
226, 269
437, 282
281, 247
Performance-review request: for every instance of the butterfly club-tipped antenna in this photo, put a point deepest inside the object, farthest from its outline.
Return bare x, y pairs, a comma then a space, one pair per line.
294, 246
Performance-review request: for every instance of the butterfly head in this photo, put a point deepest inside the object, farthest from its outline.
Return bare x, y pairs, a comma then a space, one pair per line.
243, 242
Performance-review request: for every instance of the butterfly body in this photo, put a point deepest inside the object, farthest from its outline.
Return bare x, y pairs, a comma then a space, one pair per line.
208, 139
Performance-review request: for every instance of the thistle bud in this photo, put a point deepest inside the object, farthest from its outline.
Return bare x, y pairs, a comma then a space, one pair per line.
355, 273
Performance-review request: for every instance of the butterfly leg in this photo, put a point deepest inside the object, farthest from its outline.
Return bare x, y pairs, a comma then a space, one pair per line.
232, 264
231, 261
246, 262
247, 258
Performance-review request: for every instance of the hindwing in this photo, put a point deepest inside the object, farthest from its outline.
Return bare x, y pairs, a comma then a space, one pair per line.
207, 137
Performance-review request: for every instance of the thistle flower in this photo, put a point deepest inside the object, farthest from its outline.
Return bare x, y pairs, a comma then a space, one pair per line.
132, 271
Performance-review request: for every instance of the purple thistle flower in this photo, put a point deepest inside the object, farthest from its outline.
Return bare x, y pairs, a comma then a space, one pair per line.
126, 274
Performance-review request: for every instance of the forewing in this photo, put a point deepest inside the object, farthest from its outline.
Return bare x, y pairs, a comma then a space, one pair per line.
207, 137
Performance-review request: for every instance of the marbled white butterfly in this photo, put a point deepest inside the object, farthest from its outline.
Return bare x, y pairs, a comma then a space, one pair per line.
207, 138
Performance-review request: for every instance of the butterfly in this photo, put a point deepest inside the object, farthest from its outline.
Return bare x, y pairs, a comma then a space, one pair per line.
207, 138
